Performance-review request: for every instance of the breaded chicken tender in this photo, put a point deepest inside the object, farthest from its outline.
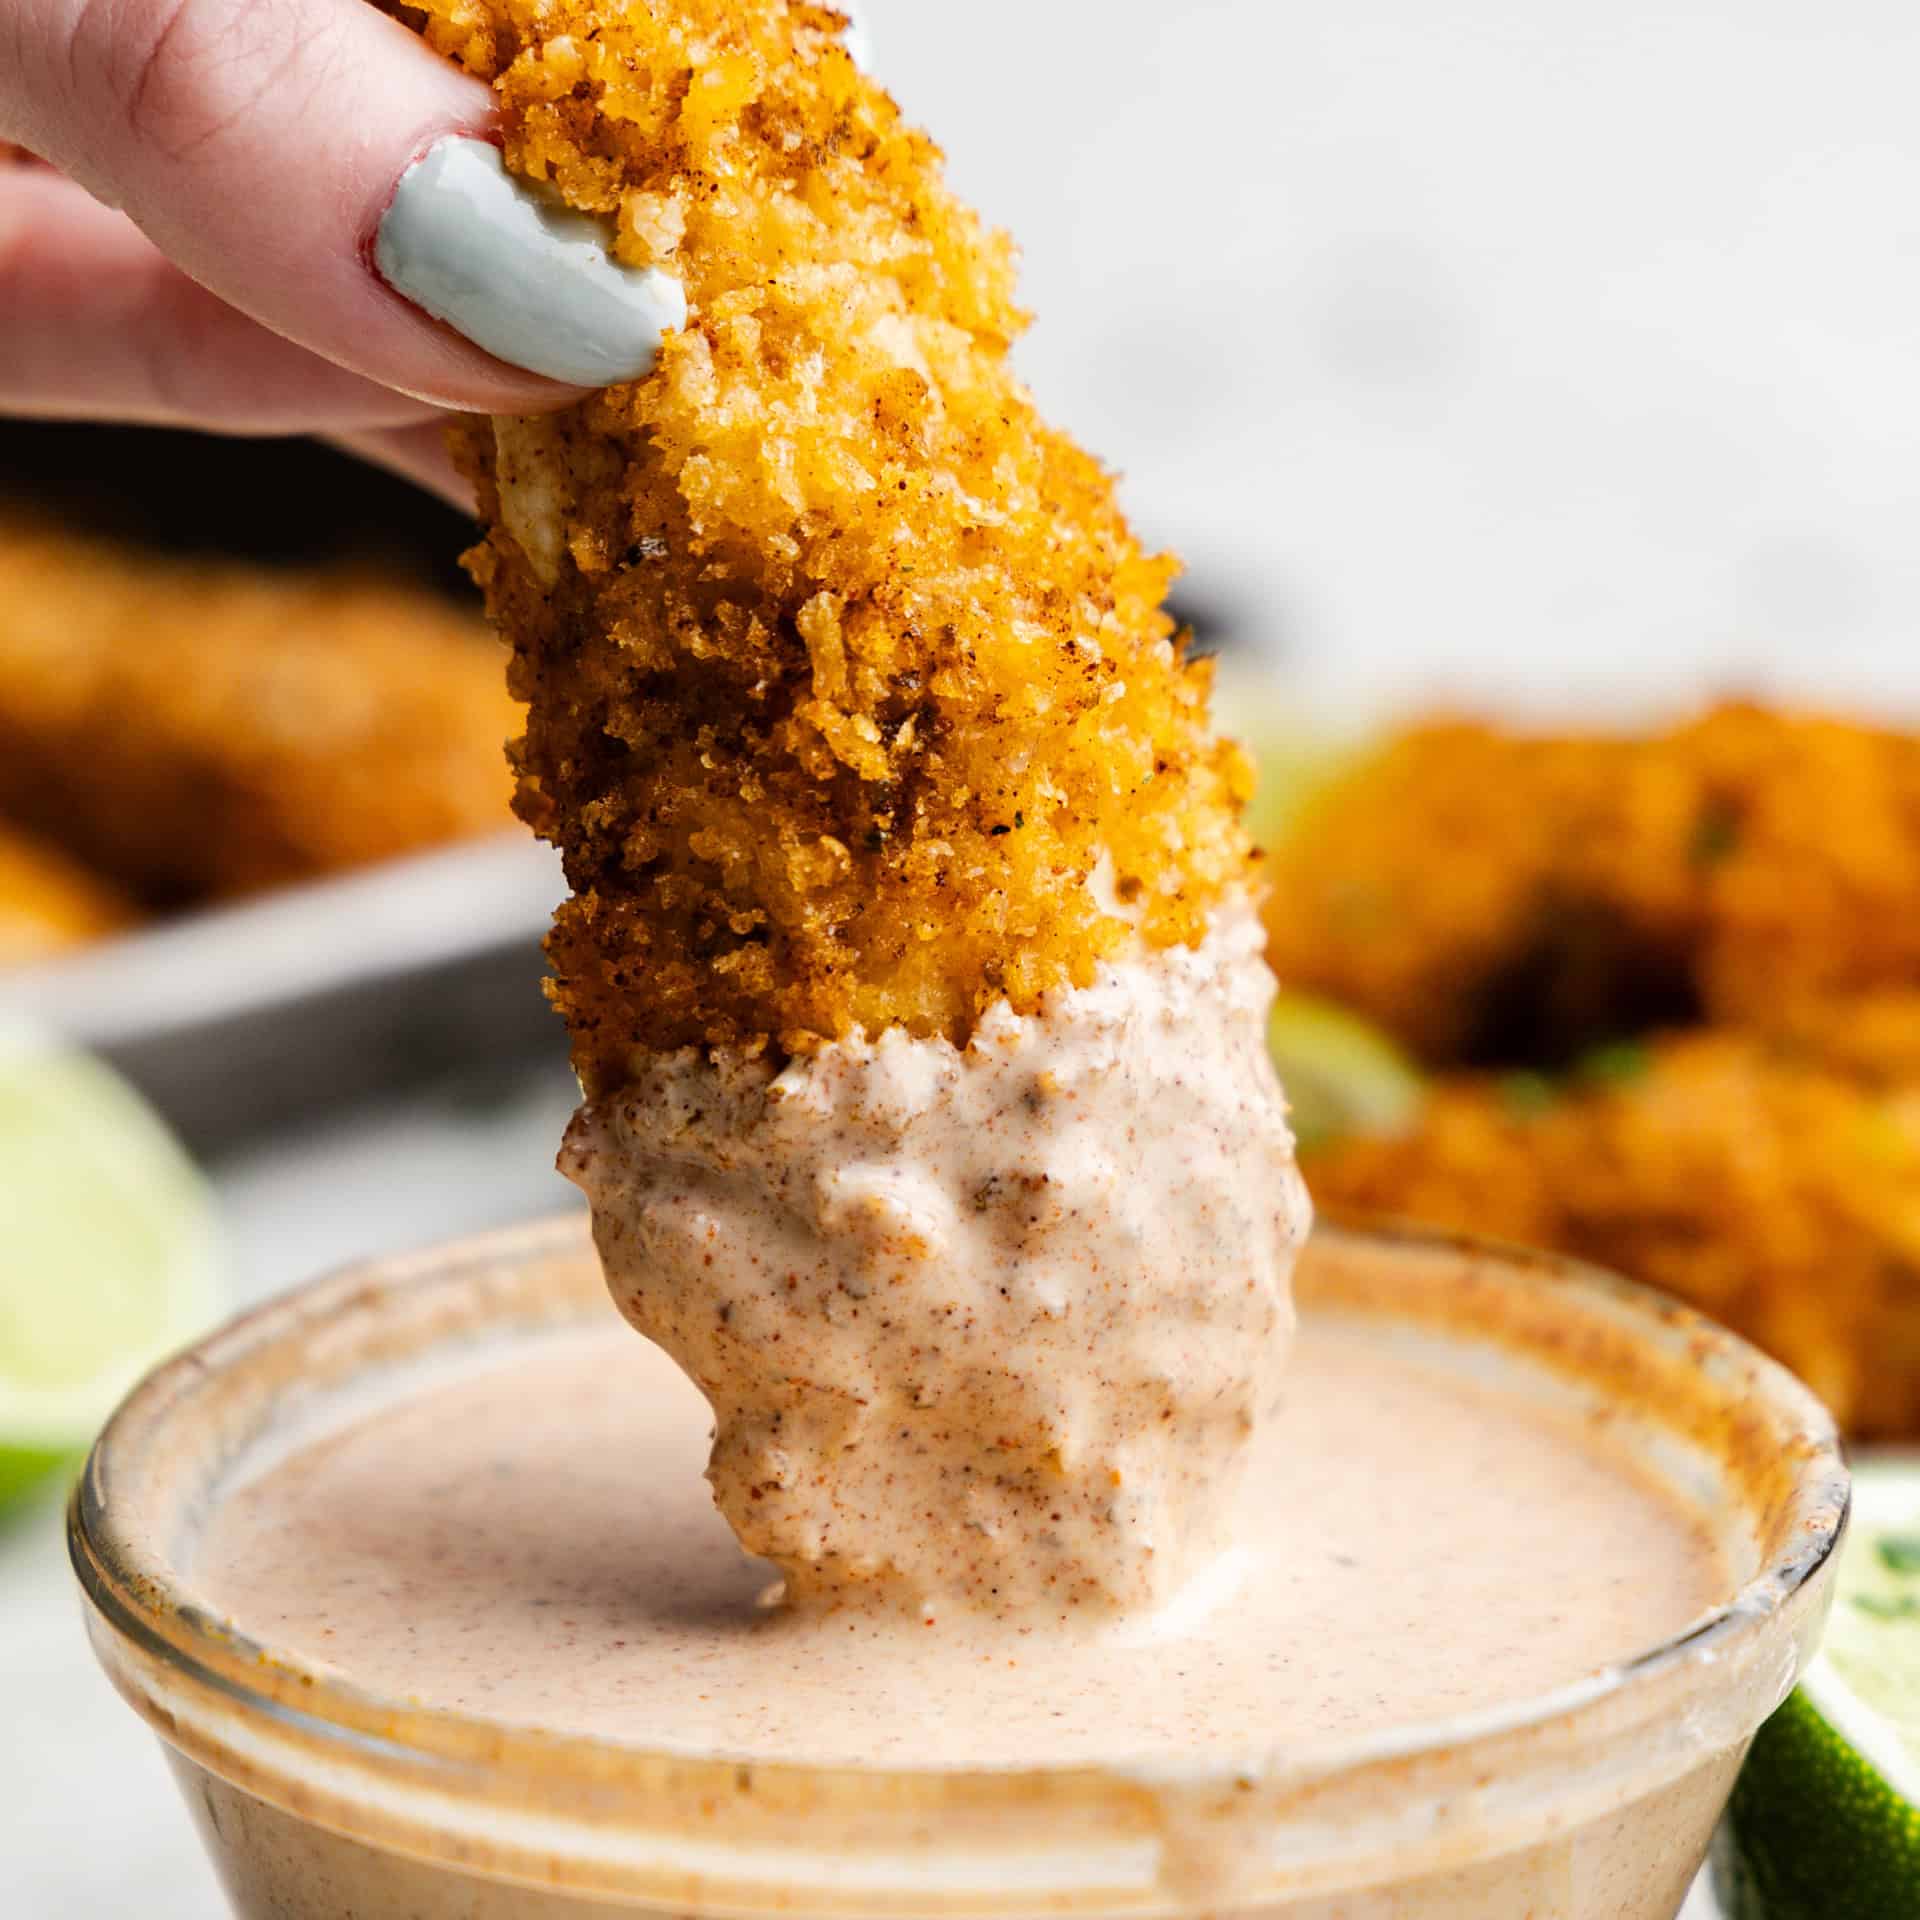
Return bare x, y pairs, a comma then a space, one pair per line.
48, 904
1771, 1190
192, 729
1804, 832
853, 701
1492, 897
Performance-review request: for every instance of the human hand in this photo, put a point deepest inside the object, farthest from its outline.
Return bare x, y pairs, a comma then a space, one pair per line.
195, 243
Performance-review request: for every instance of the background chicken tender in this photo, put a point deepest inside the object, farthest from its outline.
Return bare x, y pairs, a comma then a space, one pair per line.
1778, 1196
853, 703
48, 904
1696, 955
1490, 896
1423, 883
196, 728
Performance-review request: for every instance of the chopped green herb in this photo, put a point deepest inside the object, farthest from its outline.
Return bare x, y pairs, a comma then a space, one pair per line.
1616, 1065
1527, 1095
1715, 835
1900, 1552
1905, 1607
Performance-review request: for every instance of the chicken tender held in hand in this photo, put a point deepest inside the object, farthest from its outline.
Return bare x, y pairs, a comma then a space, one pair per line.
854, 705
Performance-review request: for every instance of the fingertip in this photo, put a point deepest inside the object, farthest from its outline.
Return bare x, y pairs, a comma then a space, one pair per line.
417, 453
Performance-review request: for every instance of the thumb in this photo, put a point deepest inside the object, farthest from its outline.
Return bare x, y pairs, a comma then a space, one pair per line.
258, 144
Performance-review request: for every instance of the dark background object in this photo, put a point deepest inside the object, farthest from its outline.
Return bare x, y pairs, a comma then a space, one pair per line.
292, 501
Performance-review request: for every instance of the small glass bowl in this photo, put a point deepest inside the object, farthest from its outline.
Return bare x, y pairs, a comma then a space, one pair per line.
318, 1799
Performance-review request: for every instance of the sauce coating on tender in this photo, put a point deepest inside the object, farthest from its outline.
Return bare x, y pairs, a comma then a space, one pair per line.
994, 1327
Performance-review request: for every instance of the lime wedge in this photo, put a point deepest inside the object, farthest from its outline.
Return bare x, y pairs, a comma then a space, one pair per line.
106, 1251
1825, 1821
1299, 755
1296, 770
1341, 1074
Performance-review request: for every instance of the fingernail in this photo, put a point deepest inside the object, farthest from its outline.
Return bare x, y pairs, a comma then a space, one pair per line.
518, 273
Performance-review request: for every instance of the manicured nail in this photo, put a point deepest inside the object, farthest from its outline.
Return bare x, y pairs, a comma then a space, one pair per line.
518, 273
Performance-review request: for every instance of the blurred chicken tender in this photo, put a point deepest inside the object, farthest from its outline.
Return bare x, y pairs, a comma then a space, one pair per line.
1755, 1180
1751, 878
48, 904
194, 729
853, 702
1491, 896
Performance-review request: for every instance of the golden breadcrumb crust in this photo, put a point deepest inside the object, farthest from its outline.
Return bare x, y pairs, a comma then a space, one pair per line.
204, 728
48, 904
1772, 1190
1489, 895
853, 703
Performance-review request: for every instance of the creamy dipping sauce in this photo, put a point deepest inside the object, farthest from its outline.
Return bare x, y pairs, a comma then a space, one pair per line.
994, 1326
530, 1538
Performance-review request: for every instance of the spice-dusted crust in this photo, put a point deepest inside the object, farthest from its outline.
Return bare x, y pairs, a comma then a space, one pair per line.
854, 704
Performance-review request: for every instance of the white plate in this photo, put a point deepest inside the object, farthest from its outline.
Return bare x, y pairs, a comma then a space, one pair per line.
1700, 1903
234, 1017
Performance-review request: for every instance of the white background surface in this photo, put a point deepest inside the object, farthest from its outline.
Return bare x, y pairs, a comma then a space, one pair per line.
1572, 351
1521, 344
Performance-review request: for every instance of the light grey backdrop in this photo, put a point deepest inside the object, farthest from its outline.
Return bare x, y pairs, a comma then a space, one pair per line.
1520, 344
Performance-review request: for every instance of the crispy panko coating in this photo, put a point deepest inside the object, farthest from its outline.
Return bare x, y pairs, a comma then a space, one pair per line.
1497, 897
853, 703
48, 904
194, 729
1779, 1196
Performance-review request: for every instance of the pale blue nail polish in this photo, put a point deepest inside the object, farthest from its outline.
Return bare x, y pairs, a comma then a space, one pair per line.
518, 273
